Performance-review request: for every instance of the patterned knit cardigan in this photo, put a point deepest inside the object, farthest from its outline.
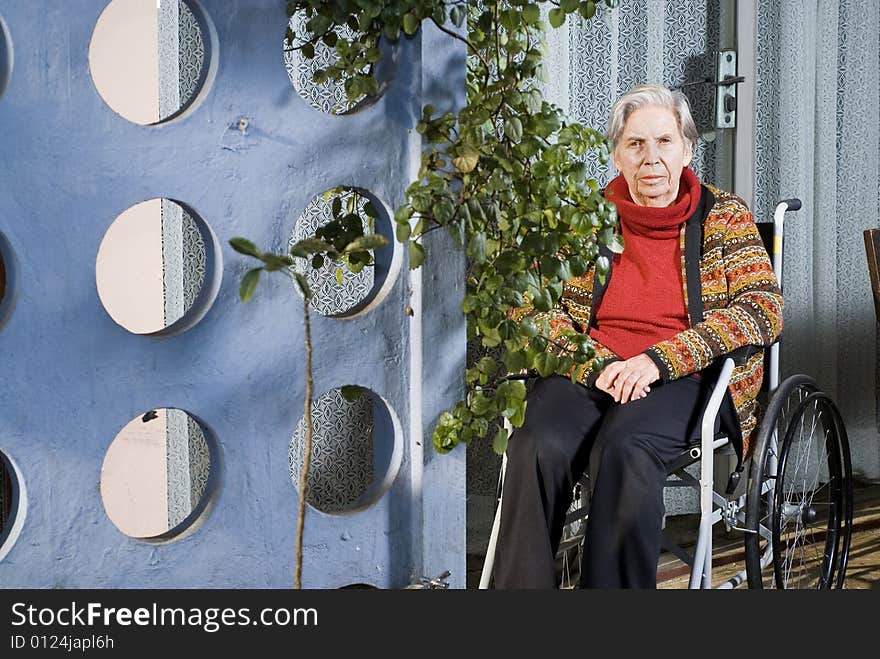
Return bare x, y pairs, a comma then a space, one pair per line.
737, 303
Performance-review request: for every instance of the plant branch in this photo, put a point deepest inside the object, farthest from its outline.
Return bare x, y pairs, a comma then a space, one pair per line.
455, 35
307, 449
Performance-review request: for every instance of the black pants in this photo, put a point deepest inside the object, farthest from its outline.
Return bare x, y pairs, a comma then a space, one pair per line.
627, 448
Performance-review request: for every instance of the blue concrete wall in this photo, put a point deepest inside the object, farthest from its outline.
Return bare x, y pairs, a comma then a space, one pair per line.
72, 377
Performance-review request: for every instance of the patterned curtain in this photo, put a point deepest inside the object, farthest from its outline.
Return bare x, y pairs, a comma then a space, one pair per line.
188, 465
181, 59
342, 466
818, 138
643, 41
181, 56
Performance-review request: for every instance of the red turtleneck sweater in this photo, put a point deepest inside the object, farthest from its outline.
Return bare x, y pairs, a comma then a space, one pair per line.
644, 301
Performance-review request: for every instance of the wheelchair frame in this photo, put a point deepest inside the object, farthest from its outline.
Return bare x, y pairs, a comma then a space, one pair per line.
737, 513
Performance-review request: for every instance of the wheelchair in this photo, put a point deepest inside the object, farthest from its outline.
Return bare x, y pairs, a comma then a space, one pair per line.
795, 508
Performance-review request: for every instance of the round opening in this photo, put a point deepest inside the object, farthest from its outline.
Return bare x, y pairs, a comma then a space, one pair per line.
13, 504
344, 290
5, 56
157, 270
310, 76
150, 59
358, 586
157, 475
356, 450
8, 280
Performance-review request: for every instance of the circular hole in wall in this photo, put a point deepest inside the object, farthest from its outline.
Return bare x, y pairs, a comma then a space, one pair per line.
150, 59
157, 474
358, 586
356, 450
8, 280
13, 503
158, 270
340, 291
325, 93
5, 56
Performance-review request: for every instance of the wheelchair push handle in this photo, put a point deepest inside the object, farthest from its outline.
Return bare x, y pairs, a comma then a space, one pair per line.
793, 204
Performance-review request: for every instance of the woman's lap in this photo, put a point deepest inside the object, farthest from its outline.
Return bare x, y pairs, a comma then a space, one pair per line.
564, 420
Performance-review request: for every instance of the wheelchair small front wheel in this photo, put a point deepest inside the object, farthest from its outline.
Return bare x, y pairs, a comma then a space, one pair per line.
570, 553
799, 507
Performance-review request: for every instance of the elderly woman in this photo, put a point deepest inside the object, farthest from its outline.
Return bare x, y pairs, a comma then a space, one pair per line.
693, 283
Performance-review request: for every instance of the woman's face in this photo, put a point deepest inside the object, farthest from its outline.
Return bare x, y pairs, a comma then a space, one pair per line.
651, 153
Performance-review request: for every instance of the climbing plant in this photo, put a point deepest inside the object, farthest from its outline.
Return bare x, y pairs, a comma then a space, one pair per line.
505, 176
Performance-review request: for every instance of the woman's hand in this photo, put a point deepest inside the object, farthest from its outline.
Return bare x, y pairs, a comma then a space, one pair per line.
628, 380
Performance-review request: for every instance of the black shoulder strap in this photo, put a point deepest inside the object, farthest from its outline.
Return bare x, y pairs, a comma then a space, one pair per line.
693, 251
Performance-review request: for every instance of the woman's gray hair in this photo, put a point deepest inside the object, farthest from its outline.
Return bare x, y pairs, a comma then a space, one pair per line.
643, 95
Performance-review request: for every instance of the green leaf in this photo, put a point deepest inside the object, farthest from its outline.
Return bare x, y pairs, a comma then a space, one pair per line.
310, 246
275, 262
467, 159
246, 247
516, 390
366, 243
410, 23
557, 17
534, 101
528, 326
339, 276
615, 244
487, 366
578, 266
303, 284
518, 418
546, 364
491, 337
587, 9
602, 266
531, 14
351, 392
542, 301
476, 248
499, 442
479, 404
248, 284
416, 255
403, 231
514, 361
319, 24
513, 129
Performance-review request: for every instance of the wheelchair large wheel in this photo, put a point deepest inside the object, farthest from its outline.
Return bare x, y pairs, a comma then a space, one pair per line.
799, 500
